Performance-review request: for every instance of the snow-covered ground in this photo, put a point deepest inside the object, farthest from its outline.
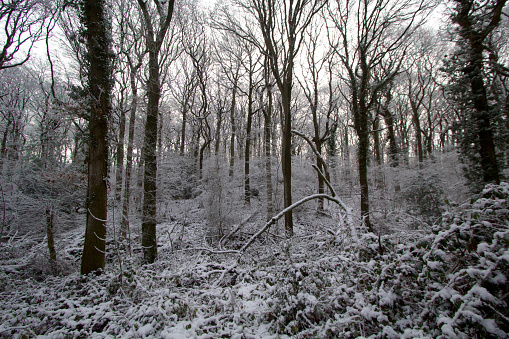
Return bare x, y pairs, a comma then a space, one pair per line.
419, 276
447, 281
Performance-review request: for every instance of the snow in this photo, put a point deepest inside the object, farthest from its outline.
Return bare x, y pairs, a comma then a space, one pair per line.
425, 285
145, 330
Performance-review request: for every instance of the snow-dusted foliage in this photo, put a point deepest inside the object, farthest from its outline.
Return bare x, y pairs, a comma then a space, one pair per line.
448, 282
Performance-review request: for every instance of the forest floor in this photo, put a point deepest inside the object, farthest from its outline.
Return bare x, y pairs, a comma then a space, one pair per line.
332, 280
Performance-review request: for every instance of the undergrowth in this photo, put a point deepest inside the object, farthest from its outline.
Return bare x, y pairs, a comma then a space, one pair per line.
450, 282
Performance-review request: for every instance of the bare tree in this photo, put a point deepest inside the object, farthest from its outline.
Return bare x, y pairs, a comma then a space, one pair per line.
131, 55
250, 66
232, 53
267, 110
315, 64
154, 37
280, 26
24, 24
197, 49
370, 36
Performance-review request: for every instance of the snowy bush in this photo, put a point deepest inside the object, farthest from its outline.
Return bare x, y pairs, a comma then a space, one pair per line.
424, 196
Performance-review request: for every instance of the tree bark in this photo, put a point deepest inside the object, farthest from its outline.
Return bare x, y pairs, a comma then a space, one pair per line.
362, 156
50, 236
287, 156
99, 78
391, 135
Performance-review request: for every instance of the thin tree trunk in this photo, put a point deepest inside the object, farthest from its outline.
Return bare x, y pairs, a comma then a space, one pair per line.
219, 121
362, 155
183, 132
50, 236
267, 129
393, 146
418, 135
247, 151
268, 165
287, 158
376, 141
124, 228
120, 155
148, 240
234, 129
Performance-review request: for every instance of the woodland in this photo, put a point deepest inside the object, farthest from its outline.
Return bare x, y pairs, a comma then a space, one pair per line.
254, 169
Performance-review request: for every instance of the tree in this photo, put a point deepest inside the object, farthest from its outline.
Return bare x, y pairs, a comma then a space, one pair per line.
314, 68
15, 94
281, 25
232, 52
267, 110
390, 123
23, 22
197, 49
99, 87
154, 40
469, 71
371, 39
250, 67
131, 49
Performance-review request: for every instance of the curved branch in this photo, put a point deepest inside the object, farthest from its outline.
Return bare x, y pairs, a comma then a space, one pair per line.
288, 209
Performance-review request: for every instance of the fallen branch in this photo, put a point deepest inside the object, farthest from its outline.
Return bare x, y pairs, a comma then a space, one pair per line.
236, 229
274, 219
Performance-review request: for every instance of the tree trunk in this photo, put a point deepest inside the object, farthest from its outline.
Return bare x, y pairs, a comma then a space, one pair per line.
234, 128
154, 42
286, 161
475, 38
268, 166
99, 78
487, 152
148, 226
203, 147
219, 121
418, 134
124, 228
247, 150
50, 236
183, 132
120, 155
393, 146
376, 141
317, 139
267, 129
362, 155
